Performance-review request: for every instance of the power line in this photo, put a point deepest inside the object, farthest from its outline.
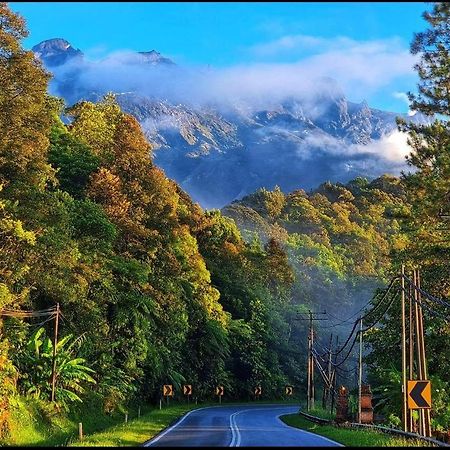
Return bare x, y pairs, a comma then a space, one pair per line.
386, 293
366, 329
426, 294
367, 304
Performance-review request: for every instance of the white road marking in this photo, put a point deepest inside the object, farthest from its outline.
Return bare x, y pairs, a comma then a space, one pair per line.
235, 433
157, 438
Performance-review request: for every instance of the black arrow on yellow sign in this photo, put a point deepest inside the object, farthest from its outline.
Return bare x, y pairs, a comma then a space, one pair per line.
288, 390
258, 390
419, 394
168, 390
187, 389
219, 390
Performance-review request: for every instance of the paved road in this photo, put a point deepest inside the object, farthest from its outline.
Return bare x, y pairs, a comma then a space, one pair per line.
236, 426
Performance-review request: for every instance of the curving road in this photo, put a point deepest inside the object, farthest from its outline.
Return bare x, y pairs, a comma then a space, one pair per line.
238, 426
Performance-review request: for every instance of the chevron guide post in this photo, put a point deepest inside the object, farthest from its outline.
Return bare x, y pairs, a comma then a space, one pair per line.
419, 394
187, 390
167, 392
257, 391
219, 392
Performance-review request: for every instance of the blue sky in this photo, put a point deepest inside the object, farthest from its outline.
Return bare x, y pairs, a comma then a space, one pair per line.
338, 37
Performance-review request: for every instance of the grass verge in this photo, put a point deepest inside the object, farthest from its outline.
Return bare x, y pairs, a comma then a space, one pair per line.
352, 437
137, 431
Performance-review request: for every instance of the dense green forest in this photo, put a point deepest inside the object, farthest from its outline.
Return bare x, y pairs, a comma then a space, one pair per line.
153, 290
339, 238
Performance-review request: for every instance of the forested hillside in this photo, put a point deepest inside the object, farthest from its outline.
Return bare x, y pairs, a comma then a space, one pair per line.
339, 238
90, 223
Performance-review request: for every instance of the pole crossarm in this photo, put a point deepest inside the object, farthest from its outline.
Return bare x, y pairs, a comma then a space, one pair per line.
23, 314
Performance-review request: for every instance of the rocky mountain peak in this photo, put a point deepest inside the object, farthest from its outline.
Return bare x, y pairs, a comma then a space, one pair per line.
153, 57
55, 52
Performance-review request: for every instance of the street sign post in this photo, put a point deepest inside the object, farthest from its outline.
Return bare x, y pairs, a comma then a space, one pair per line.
419, 394
187, 390
167, 392
219, 392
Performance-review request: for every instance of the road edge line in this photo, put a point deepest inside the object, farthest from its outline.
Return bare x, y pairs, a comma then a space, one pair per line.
166, 430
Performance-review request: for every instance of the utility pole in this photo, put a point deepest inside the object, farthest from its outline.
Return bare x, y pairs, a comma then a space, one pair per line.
360, 368
425, 418
410, 424
335, 375
327, 389
418, 347
404, 385
310, 376
55, 342
311, 363
424, 359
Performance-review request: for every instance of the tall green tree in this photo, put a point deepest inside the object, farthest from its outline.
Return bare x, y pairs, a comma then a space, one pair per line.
428, 187
426, 223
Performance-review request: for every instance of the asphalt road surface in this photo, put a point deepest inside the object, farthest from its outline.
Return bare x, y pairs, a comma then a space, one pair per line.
238, 426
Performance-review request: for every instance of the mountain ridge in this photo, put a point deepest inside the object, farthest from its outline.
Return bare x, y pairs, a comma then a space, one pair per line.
218, 154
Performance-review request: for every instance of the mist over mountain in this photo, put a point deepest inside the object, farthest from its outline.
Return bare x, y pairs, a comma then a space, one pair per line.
224, 133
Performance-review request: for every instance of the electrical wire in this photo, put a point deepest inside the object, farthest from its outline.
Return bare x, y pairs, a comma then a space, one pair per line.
426, 294
386, 293
364, 330
365, 306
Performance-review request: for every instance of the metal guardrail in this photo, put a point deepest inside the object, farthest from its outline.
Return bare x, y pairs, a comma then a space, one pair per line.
388, 430
315, 419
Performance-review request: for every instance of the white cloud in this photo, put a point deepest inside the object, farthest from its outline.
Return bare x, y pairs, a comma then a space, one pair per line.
391, 147
360, 68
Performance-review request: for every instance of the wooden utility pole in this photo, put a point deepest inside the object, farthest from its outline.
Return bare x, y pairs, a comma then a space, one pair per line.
404, 385
327, 389
425, 413
55, 342
418, 347
360, 368
410, 422
311, 363
335, 375
310, 375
